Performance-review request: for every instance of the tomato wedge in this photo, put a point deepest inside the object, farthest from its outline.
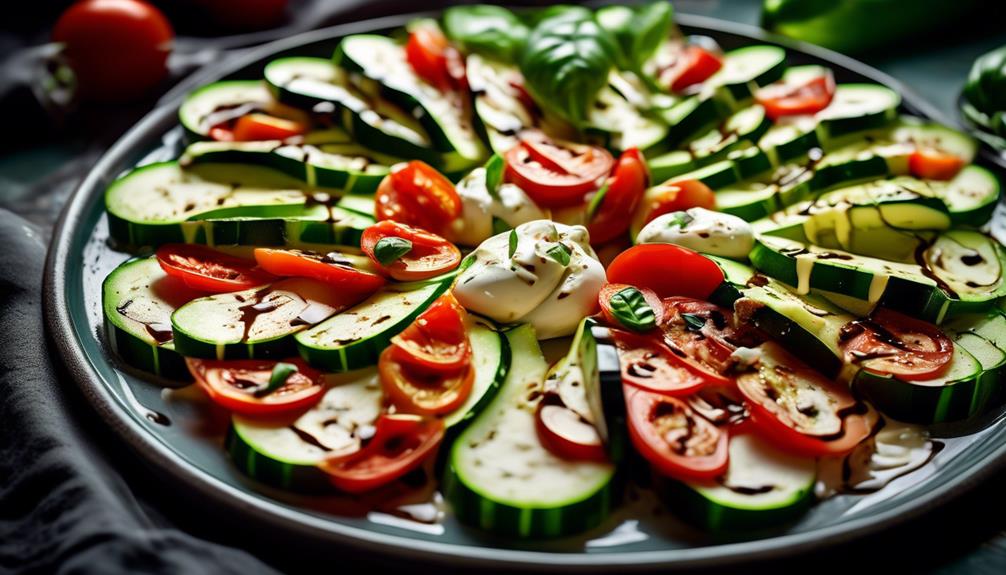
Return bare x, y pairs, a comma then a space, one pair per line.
667, 269
934, 164
890, 343
428, 254
564, 433
693, 65
209, 270
437, 340
623, 192
800, 410
554, 173
706, 334
401, 443
417, 195
678, 442
434, 59
242, 385
649, 364
612, 315
425, 392
256, 127
333, 268
789, 100
675, 197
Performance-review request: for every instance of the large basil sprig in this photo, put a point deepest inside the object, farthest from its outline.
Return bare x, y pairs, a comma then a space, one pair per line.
489, 30
566, 61
638, 31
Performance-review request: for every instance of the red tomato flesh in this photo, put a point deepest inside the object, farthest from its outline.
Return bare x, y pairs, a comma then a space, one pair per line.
625, 189
332, 268
206, 269
934, 165
566, 435
678, 197
890, 343
694, 65
434, 59
649, 364
417, 195
430, 256
257, 127
553, 173
238, 385
667, 269
789, 100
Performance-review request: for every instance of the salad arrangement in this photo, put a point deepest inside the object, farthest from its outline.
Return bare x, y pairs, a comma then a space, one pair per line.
758, 277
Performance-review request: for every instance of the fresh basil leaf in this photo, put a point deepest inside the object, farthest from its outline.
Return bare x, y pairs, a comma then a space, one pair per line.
560, 253
694, 322
513, 243
500, 226
495, 167
566, 61
280, 373
391, 248
485, 29
596, 201
631, 309
638, 31
680, 219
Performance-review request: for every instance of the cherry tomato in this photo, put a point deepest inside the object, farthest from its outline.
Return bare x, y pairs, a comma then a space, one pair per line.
118, 49
245, 14
240, 385
256, 127
625, 189
694, 65
666, 269
649, 364
553, 173
430, 255
434, 59
678, 442
890, 343
419, 196
423, 391
333, 268
206, 269
934, 165
676, 196
789, 100
610, 289
400, 444
566, 435
800, 410
437, 340
706, 334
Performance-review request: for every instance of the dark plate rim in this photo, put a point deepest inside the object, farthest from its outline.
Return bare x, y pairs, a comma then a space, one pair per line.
289, 521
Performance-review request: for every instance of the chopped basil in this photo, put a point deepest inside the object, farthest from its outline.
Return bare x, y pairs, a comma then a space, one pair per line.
560, 253
494, 174
680, 219
630, 308
513, 243
391, 248
280, 373
694, 322
596, 201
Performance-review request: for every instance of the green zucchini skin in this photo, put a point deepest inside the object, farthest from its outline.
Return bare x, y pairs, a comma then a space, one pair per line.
456, 422
209, 97
299, 478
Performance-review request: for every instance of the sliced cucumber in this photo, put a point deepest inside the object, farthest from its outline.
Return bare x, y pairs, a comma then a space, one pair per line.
491, 358
284, 452
762, 487
745, 69
221, 101
619, 122
220, 204
741, 129
691, 116
355, 338
316, 84
138, 299
378, 66
858, 107
499, 113
255, 323
970, 197
500, 478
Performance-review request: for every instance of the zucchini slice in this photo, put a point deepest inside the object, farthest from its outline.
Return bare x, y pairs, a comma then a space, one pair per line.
253, 323
221, 204
216, 103
138, 299
762, 487
619, 119
500, 478
355, 338
491, 358
745, 69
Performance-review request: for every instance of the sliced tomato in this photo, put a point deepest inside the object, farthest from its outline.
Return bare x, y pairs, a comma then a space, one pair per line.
332, 268
417, 195
705, 334
206, 269
783, 99
429, 256
256, 127
934, 164
677, 197
564, 433
437, 340
800, 410
400, 444
677, 441
623, 191
667, 269
434, 59
426, 392
555, 173
693, 65
241, 385
610, 317
649, 364
890, 343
